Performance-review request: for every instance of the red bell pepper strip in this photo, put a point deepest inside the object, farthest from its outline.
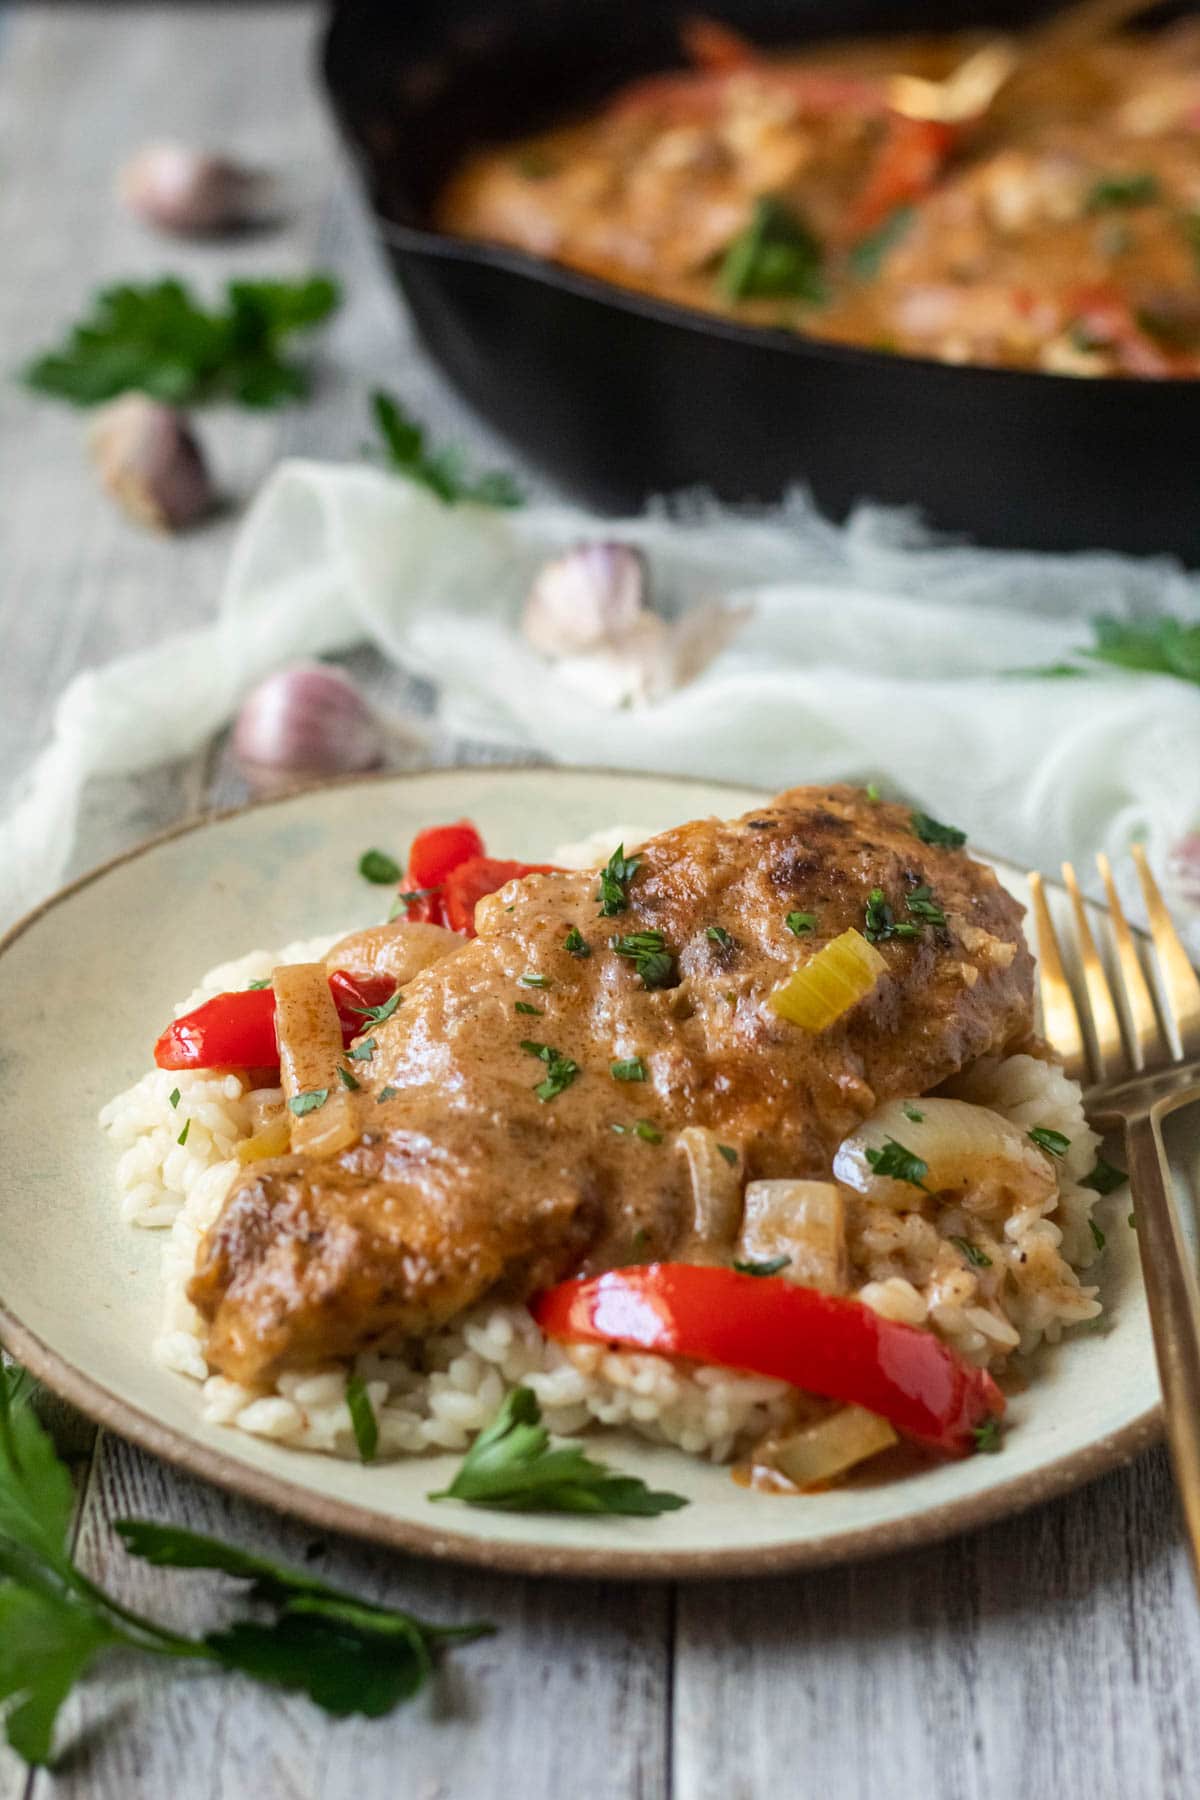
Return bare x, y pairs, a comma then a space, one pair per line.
237, 1031
432, 855
768, 1326
466, 885
908, 163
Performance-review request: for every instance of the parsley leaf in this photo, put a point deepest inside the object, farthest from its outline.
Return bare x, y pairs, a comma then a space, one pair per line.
386, 1093
641, 1128
362, 1418
922, 905
898, 1164
880, 921
800, 924
183, 1136
378, 1014
865, 259
560, 1070
1098, 1237
649, 955
631, 1069
404, 450
158, 339
979, 1259
771, 1267
1105, 1178
615, 877
174, 1097
379, 867
910, 1112
348, 1080
535, 981
533, 1012
1053, 1142
719, 935
362, 1052
309, 1102
988, 1437
931, 831
513, 1466
729, 1153
253, 987
1122, 191
776, 256
575, 944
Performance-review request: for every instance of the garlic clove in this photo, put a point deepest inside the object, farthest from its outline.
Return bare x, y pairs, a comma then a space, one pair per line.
191, 192
151, 463
304, 722
591, 595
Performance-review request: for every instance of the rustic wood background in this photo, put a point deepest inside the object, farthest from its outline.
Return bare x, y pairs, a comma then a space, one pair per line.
1056, 1655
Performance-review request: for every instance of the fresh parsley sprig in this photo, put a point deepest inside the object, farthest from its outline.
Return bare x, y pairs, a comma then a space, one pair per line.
560, 1070
649, 955
615, 877
404, 448
932, 831
347, 1655
898, 1164
512, 1466
158, 339
776, 256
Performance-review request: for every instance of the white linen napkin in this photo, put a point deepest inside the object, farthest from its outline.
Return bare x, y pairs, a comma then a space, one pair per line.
871, 651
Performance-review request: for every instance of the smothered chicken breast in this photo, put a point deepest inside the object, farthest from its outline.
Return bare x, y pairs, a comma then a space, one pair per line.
498, 1149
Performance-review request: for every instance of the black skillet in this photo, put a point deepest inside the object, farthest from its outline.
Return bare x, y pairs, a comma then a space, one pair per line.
619, 397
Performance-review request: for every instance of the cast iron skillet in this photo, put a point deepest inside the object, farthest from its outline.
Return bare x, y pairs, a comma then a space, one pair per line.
619, 396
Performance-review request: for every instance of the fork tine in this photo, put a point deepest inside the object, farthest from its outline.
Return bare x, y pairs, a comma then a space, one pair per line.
1145, 1039
1060, 1020
1180, 986
1106, 1026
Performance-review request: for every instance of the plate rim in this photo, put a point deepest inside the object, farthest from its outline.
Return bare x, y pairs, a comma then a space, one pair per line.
180, 1449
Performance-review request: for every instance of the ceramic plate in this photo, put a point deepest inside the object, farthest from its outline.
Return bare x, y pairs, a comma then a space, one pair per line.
86, 983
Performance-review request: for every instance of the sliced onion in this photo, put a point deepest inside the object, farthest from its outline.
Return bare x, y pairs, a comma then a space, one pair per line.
716, 1193
400, 949
310, 1053
970, 1152
830, 1446
802, 1220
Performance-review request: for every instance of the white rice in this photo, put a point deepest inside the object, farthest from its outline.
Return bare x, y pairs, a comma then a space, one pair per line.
445, 1390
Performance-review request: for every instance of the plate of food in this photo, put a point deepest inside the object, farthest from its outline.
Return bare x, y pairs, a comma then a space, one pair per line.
568, 1172
920, 254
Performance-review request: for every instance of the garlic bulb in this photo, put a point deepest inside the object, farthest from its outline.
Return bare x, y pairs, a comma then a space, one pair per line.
190, 192
150, 462
304, 722
587, 598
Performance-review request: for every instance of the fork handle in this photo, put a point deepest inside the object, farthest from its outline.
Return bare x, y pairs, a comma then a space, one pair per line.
1168, 1271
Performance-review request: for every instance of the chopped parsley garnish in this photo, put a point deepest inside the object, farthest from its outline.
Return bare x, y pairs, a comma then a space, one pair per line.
729, 1153
378, 1014
379, 867
641, 1128
560, 1070
406, 452
155, 337
348, 1080
174, 1097
867, 255
615, 877
309, 1102
911, 1112
800, 924
362, 1052
1121, 191
535, 981
979, 1259
880, 921
1053, 1142
183, 1136
386, 1093
931, 831
575, 944
922, 905
631, 1069
649, 955
532, 1012
718, 935
988, 1438
512, 1465
898, 1164
252, 987
362, 1418
1098, 1237
56, 1622
1105, 1178
776, 256
872, 792
771, 1267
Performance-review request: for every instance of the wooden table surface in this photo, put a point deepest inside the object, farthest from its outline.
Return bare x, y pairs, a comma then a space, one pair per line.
1056, 1655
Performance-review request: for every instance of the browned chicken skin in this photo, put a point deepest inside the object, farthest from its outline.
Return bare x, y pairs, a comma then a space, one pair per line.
464, 1182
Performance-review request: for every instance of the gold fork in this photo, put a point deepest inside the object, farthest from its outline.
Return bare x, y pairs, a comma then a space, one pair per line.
1139, 1048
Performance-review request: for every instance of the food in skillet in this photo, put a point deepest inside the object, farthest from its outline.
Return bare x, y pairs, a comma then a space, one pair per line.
743, 1139
1059, 230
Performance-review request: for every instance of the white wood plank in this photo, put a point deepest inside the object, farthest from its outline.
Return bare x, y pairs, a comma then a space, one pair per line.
1056, 1654
569, 1698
